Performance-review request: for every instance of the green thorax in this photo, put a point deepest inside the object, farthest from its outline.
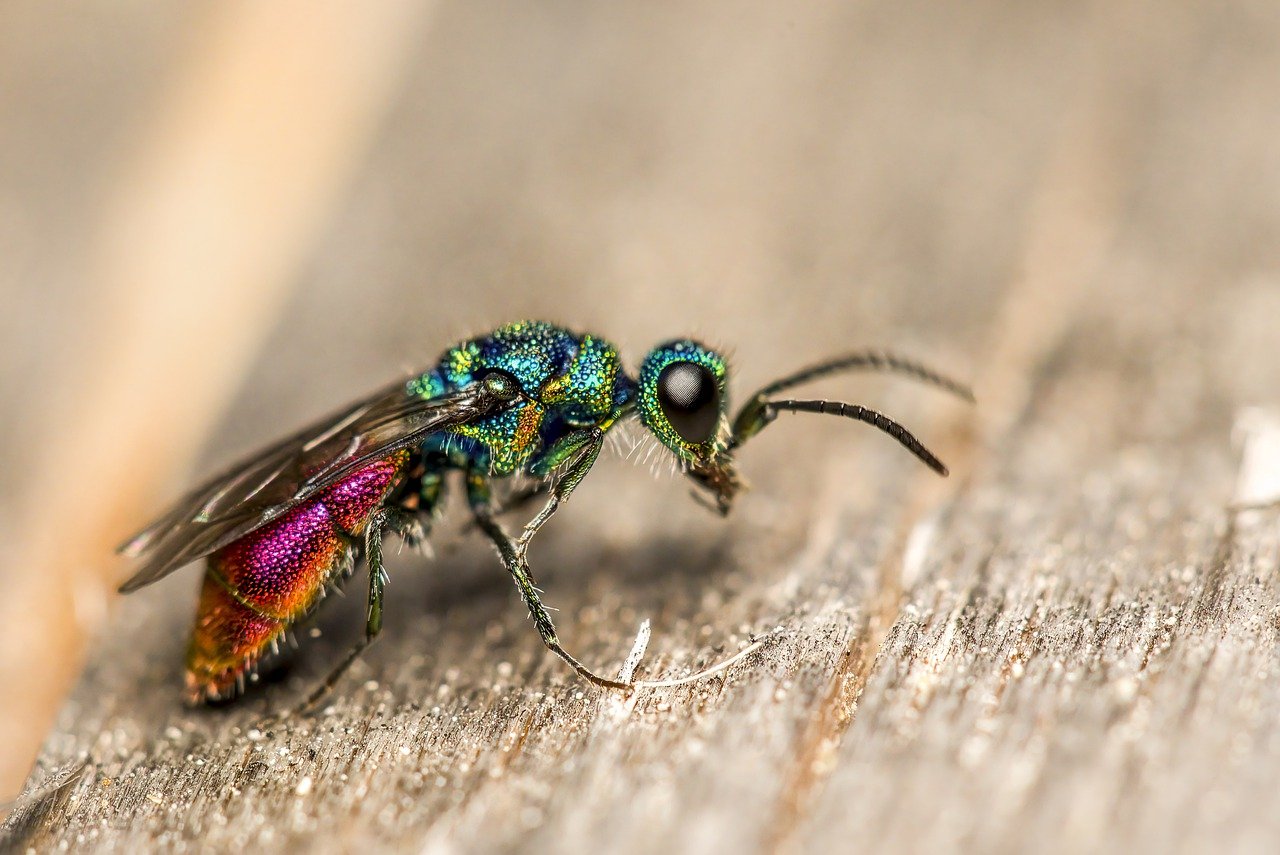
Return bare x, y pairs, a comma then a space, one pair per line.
570, 382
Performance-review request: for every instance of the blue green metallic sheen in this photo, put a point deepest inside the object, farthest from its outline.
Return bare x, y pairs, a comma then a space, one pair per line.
650, 411
570, 381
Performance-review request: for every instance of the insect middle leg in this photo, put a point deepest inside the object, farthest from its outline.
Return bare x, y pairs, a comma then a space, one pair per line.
512, 551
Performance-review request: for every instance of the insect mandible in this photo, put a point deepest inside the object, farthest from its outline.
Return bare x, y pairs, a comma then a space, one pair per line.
287, 524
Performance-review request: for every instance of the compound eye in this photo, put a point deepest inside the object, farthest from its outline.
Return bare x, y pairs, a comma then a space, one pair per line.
501, 384
690, 399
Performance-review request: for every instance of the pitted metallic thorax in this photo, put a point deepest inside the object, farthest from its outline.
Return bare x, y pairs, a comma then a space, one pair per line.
569, 382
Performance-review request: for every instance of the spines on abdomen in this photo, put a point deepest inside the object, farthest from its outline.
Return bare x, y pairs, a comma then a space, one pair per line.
256, 588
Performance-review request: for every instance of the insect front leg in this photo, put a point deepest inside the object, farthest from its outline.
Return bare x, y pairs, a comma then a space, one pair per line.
512, 553
579, 452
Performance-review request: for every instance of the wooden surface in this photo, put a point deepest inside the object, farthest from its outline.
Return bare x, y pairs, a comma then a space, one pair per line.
1069, 645
193, 249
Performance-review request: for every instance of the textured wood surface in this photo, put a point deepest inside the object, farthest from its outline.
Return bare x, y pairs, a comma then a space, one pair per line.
1069, 645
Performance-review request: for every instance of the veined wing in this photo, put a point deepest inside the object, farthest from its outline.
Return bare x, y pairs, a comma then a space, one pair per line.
262, 487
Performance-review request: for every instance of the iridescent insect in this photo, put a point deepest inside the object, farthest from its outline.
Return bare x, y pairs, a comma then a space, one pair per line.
282, 527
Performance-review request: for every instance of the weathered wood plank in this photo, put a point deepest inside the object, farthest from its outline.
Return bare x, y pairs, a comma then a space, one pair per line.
1070, 645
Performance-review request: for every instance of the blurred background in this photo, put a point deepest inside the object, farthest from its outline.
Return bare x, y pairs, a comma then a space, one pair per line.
218, 220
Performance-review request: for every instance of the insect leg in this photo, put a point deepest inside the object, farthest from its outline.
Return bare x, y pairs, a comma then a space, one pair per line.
377, 573
512, 553
428, 487
384, 519
579, 451
521, 498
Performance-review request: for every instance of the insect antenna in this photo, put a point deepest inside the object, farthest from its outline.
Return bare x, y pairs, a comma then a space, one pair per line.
759, 410
858, 413
871, 360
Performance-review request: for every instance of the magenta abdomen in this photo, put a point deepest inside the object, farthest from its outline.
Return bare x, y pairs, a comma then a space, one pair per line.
258, 586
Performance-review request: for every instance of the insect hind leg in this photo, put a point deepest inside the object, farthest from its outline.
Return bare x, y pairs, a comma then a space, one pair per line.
408, 515
409, 528
387, 518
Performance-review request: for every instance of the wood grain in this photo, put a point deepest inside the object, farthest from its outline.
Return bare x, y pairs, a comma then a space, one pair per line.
193, 254
1070, 645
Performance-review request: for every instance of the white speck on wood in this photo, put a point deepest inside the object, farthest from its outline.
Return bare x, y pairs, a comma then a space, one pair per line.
628, 669
917, 549
1258, 431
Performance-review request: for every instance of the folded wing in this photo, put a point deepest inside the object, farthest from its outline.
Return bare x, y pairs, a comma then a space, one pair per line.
262, 487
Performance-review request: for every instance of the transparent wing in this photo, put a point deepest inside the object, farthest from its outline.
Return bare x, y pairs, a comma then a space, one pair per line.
262, 487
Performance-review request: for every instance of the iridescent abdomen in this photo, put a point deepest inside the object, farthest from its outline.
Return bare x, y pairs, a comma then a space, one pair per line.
255, 588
